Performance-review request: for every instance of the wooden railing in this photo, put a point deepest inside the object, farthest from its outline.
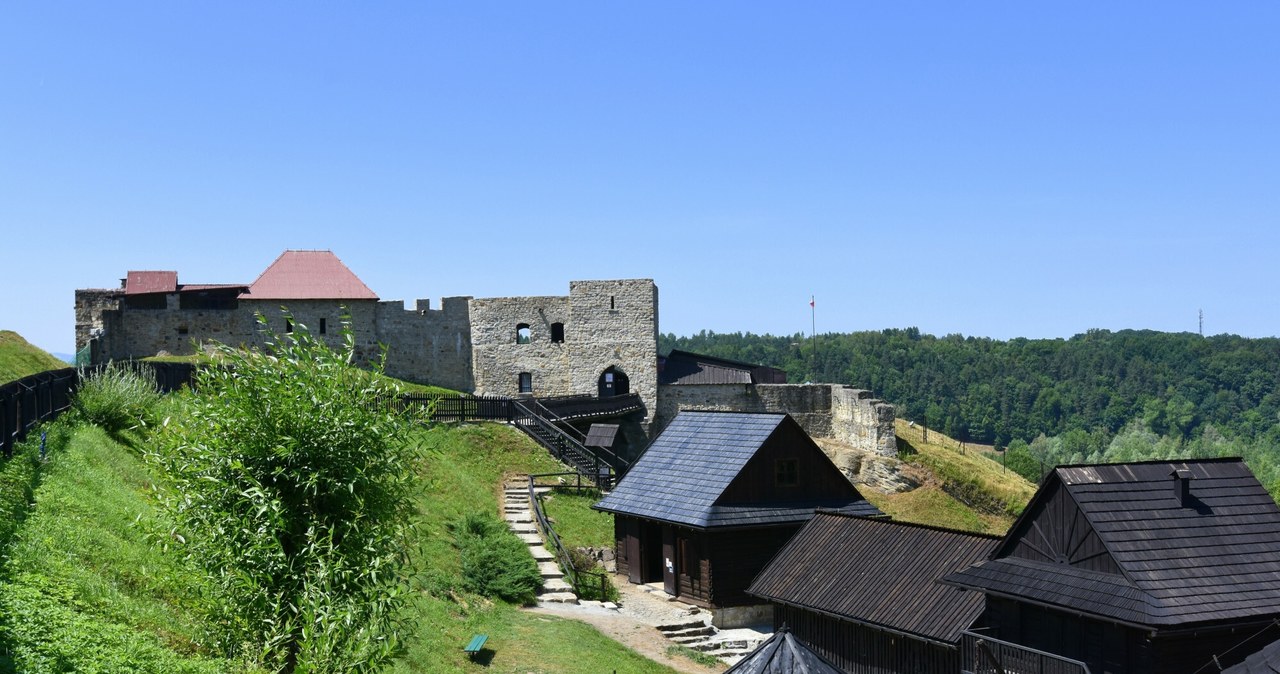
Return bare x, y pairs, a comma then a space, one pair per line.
576, 577
561, 445
981, 654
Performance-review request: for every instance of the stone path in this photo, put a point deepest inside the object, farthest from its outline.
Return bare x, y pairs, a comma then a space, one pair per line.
519, 515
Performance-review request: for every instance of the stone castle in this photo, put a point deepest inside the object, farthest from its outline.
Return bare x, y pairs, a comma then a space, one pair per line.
601, 339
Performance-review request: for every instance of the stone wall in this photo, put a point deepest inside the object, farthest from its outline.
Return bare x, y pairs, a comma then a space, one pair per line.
850, 416
428, 345
91, 305
499, 357
615, 324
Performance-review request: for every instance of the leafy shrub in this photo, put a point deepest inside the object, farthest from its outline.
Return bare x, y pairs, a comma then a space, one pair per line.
494, 562
590, 577
295, 496
116, 398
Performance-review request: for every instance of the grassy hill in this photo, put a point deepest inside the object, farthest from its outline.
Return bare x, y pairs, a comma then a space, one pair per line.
18, 358
962, 486
89, 582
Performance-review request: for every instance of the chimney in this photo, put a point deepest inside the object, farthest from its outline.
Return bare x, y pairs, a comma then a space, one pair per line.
1182, 486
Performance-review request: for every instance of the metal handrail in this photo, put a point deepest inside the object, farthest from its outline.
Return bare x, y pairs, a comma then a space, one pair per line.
549, 534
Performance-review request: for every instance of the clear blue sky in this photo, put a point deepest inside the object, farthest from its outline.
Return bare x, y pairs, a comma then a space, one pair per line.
998, 169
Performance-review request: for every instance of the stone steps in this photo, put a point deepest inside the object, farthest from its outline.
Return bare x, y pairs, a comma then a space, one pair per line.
518, 513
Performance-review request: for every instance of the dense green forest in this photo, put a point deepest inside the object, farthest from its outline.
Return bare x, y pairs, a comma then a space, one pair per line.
1100, 395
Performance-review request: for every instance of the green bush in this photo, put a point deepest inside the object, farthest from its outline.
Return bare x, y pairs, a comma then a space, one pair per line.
295, 495
589, 576
494, 562
116, 398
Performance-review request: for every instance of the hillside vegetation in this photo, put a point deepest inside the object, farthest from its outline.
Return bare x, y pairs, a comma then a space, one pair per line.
962, 486
94, 575
1100, 396
18, 358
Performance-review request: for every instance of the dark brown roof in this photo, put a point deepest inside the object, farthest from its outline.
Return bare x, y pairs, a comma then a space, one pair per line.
308, 275
783, 653
1265, 661
879, 573
147, 282
1214, 557
684, 368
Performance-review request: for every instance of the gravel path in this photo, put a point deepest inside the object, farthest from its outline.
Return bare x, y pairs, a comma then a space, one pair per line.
634, 623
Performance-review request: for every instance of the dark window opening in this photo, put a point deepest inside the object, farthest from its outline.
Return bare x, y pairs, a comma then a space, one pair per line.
288, 326
612, 304
216, 300
182, 330
153, 301
557, 332
523, 334
323, 326
787, 472
526, 382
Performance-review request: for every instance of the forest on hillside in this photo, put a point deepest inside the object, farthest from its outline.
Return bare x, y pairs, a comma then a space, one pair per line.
1098, 396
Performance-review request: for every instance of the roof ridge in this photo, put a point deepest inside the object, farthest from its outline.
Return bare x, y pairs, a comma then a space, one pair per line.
917, 525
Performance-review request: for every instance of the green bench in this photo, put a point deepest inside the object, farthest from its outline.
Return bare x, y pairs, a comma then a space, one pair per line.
477, 643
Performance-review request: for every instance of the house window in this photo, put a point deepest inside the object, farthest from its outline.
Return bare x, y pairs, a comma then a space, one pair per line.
323, 327
557, 332
786, 472
526, 382
523, 334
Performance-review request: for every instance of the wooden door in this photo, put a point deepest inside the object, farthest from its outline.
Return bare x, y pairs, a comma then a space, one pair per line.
669, 561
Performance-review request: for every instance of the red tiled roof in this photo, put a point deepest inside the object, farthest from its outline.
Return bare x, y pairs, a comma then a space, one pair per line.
308, 275
144, 282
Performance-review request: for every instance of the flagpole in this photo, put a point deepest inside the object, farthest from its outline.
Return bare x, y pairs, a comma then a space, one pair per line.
813, 335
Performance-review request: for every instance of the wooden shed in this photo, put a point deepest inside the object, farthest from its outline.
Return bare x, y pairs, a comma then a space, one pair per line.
864, 593
715, 496
1166, 567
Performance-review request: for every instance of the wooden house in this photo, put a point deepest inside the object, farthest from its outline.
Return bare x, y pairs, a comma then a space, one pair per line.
715, 496
865, 593
1162, 567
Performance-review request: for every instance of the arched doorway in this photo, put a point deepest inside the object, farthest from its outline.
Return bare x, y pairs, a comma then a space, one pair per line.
614, 382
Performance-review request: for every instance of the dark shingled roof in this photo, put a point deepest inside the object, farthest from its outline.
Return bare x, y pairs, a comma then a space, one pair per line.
783, 653
1214, 558
684, 368
1265, 661
878, 573
687, 467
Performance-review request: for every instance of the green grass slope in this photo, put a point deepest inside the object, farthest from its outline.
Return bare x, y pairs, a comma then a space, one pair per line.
18, 358
87, 583
962, 486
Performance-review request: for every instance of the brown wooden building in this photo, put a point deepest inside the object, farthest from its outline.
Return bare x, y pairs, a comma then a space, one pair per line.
864, 593
1163, 567
715, 496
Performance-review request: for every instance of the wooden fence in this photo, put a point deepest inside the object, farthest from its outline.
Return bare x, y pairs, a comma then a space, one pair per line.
44, 396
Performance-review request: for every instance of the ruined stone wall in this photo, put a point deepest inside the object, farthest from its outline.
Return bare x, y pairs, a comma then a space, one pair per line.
90, 307
862, 421
498, 359
140, 333
615, 324
428, 346
850, 416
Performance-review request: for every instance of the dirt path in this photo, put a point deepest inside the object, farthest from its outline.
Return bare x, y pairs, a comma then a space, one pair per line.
635, 624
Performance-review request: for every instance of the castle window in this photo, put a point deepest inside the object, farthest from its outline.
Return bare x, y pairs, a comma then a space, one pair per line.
557, 332
526, 382
612, 304
288, 326
523, 335
323, 326
182, 330
786, 472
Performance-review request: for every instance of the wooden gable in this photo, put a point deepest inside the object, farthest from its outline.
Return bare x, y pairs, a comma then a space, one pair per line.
1055, 530
788, 467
